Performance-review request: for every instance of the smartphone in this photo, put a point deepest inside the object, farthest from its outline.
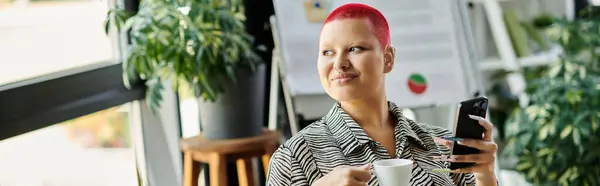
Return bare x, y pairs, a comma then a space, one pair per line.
467, 128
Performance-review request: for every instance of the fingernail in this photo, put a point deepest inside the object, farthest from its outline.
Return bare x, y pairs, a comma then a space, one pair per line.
475, 117
452, 138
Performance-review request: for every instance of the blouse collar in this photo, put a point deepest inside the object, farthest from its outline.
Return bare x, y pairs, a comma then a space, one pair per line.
350, 134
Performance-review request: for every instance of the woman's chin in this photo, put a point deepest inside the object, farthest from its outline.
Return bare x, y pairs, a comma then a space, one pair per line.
346, 93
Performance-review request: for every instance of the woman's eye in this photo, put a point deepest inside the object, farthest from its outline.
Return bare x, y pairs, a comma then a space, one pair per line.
356, 49
327, 52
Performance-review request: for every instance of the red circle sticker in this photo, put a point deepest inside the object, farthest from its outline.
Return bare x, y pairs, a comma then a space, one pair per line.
417, 84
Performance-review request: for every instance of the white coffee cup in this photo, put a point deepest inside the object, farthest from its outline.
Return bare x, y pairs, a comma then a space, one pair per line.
393, 172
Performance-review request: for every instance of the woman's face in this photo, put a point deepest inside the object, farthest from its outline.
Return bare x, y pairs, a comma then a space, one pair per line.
352, 64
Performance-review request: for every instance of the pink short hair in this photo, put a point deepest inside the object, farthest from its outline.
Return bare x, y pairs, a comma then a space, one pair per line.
377, 22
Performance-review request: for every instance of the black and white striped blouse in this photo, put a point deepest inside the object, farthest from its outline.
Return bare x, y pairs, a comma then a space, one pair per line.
337, 140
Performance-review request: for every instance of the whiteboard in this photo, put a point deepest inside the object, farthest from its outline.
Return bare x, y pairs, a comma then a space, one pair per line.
423, 32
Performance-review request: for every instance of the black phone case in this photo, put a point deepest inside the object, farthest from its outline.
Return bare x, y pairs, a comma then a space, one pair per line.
466, 127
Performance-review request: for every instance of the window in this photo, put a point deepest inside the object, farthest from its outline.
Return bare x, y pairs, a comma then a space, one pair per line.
93, 150
57, 64
38, 37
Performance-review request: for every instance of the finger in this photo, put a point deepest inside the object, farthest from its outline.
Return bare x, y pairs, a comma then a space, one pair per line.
489, 127
360, 174
442, 158
486, 146
444, 142
473, 158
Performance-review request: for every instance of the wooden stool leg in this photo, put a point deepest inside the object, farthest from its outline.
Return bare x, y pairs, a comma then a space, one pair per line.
245, 173
191, 170
218, 170
266, 159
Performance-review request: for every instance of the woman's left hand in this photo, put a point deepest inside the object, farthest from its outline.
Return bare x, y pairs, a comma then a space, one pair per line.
484, 161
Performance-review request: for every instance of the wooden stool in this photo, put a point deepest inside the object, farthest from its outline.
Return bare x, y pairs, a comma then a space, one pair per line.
216, 153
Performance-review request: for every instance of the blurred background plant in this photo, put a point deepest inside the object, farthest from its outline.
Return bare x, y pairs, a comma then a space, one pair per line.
505, 101
199, 44
556, 136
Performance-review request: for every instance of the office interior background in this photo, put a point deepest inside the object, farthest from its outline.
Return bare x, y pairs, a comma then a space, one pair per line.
67, 117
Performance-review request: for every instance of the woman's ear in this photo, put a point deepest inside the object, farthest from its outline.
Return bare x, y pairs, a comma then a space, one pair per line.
388, 58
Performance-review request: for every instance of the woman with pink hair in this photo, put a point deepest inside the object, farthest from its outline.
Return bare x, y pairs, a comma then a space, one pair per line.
363, 126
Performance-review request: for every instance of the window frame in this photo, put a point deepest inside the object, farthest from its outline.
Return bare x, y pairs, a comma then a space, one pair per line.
44, 101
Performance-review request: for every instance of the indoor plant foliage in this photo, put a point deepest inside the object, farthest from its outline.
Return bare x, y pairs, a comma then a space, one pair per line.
198, 43
556, 137
506, 101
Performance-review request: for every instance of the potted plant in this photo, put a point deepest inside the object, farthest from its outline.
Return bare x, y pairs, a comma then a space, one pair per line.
556, 137
201, 44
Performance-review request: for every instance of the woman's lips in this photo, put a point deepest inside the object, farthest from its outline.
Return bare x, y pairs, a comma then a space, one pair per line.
345, 78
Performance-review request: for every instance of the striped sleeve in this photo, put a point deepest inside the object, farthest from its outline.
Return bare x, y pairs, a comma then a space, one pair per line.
467, 179
463, 179
284, 169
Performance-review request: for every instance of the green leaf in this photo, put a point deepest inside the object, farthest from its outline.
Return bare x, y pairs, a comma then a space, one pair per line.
544, 132
154, 94
126, 76
544, 152
566, 131
210, 93
108, 22
594, 125
231, 74
555, 70
576, 136
524, 166
581, 117
532, 172
574, 96
574, 175
552, 175
582, 73
564, 177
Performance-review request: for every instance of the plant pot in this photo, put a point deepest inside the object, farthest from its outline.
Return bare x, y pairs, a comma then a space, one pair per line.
239, 111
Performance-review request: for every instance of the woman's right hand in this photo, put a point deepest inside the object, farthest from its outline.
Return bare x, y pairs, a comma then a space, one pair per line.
346, 176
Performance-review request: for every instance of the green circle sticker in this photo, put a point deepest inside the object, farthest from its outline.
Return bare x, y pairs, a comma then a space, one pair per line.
417, 84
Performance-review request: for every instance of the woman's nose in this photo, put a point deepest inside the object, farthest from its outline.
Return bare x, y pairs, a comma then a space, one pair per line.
341, 63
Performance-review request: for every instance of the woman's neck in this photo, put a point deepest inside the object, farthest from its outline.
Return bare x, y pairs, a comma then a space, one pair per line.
370, 113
